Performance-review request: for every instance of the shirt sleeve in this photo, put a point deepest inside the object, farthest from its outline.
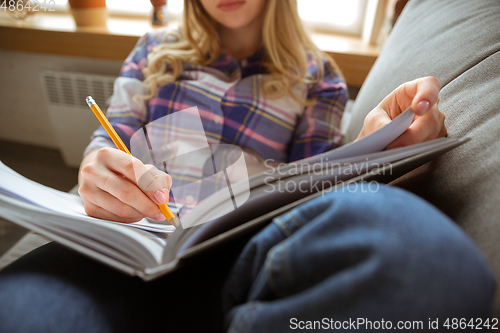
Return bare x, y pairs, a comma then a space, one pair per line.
125, 114
318, 130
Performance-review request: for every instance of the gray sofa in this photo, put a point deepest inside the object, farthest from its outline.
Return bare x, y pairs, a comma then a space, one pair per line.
457, 41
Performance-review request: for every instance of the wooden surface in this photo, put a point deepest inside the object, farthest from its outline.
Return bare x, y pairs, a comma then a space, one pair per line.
57, 34
354, 57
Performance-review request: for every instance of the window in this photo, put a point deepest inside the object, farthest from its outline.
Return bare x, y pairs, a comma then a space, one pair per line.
142, 7
341, 16
132, 7
344, 16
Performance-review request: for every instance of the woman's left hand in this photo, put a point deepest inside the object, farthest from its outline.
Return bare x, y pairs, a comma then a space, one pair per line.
422, 95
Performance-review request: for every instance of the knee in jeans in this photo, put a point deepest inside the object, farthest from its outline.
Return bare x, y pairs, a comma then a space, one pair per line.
414, 242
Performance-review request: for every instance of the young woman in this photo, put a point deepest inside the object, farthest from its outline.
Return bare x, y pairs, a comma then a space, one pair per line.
258, 82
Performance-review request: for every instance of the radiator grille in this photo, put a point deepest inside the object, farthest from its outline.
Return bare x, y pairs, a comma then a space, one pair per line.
70, 89
72, 121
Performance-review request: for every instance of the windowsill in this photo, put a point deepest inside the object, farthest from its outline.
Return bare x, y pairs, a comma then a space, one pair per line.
56, 33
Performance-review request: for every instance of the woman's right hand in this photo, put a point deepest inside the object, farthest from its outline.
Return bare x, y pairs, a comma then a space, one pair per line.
119, 187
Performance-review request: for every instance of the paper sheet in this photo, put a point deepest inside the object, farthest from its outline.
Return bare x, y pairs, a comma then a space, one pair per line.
19, 187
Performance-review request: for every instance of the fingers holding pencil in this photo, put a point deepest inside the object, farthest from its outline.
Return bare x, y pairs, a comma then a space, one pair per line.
112, 182
152, 183
147, 178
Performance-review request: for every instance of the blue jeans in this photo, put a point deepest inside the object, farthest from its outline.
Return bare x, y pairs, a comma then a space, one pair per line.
381, 257
383, 254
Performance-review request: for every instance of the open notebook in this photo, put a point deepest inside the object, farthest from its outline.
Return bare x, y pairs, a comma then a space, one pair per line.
149, 250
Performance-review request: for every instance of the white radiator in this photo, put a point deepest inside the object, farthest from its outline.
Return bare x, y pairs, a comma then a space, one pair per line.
72, 120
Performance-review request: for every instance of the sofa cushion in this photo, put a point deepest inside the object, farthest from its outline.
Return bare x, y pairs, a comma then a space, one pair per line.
457, 41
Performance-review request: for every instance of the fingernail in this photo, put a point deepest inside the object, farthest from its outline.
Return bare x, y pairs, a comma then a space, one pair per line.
160, 197
159, 216
422, 107
166, 191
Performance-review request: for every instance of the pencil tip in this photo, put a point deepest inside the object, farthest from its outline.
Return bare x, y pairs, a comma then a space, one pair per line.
89, 101
173, 221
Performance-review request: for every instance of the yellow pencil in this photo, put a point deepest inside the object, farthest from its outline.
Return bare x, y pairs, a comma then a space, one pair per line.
120, 145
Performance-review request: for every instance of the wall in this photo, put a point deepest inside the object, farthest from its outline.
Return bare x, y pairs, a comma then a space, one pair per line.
23, 113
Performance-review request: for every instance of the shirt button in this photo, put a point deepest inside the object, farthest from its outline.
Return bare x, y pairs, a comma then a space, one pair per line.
217, 119
189, 199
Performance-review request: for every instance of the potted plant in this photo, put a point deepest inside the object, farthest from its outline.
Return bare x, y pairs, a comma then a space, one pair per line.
89, 13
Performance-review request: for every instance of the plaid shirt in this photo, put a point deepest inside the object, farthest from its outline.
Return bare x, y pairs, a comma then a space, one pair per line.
230, 94
232, 106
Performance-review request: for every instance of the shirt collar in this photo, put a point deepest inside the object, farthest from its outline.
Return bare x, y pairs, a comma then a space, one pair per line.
248, 66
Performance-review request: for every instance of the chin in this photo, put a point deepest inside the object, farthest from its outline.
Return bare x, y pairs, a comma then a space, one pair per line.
234, 21
234, 24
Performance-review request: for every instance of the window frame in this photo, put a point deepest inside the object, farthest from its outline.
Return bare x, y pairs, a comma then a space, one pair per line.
355, 29
370, 18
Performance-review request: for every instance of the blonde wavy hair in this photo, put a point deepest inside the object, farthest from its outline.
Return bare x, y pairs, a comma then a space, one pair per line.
285, 42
